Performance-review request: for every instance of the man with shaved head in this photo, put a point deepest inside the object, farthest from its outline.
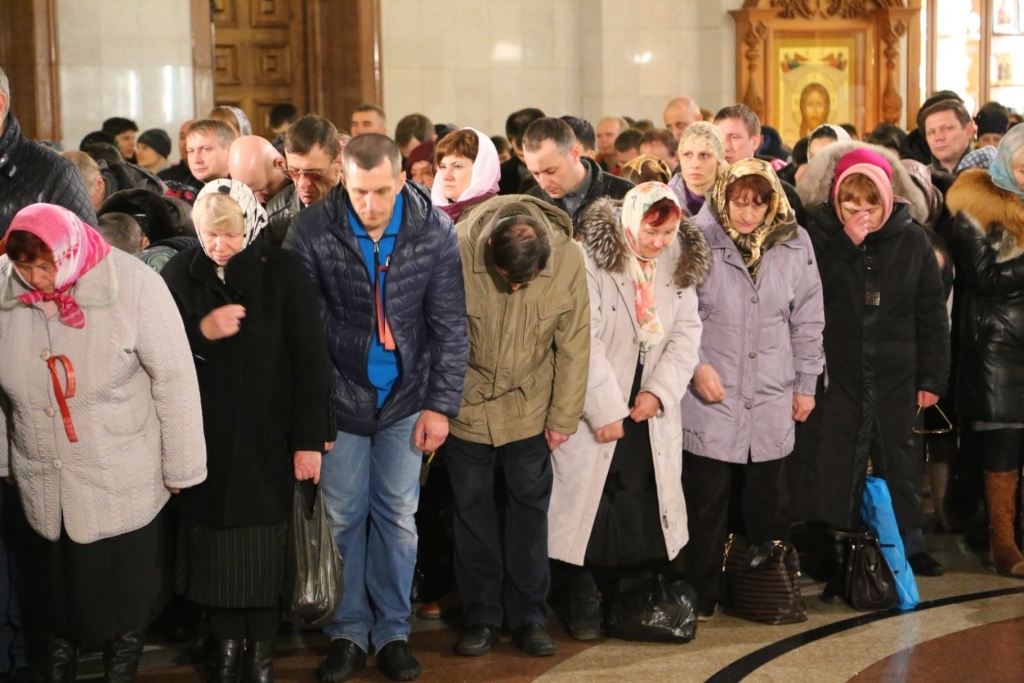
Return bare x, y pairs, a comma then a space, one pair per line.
680, 113
254, 161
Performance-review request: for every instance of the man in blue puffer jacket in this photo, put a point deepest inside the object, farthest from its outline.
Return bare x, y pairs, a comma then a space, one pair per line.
387, 268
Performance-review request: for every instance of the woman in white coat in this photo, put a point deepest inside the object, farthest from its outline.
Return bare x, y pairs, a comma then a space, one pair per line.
617, 503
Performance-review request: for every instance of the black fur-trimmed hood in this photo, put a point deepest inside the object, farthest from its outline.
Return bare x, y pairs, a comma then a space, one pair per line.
601, 236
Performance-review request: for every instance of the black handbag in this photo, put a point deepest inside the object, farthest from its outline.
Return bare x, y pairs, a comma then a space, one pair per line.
762, 583
869, 582
315, 565
659, 611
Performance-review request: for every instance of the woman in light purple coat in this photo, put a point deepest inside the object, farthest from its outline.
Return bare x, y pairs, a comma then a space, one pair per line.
760, 357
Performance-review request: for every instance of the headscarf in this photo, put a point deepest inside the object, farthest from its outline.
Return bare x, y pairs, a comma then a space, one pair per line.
979, 158
841, 134
1001, 169
244, 127
644, 271
254, 216
779, 224
482, 184
76, 247
422, 152
874, 166
710, 136
646, 168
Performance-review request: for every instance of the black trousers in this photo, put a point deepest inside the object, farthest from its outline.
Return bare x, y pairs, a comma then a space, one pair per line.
253, 624
707, 484
1000, 449
523, 579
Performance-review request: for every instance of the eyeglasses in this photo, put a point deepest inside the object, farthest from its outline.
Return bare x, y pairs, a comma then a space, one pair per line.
941, 430
296, 173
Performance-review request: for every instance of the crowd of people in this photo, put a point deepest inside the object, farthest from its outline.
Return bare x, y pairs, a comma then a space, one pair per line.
523, 370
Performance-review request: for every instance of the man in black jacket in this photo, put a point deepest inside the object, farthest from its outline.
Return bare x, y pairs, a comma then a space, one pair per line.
566, 178
389, 275
31, 173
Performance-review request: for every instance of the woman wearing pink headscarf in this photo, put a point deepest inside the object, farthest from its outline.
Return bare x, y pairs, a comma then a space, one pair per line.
468, 170
102, 425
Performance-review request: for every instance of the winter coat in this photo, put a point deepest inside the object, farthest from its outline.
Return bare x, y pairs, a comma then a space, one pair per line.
123, 175
281, 209
266, 391
31, 173
879, 356
986, 243
581, 464
425, 307
135, 408
529, 349
164, 217
601, 185
763, 339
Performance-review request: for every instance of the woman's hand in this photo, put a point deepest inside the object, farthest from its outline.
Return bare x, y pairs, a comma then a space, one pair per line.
222, 322
307, 466
858, 226
610, 433
926, 399
645, 407
802, 407
708, 384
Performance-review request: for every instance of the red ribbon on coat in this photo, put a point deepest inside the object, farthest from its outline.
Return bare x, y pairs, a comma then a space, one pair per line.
63, 394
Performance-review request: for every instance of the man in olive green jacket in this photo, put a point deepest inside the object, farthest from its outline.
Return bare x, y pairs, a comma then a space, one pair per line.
529, 331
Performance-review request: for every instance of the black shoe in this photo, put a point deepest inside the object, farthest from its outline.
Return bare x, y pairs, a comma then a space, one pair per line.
477, 640
396, 661
924, 564
584, 607
61, 661
534, 640
258, 662
343, 660
227, 662
121, 657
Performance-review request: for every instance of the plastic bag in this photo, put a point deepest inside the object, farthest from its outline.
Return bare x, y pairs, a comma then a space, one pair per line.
879, 517
659, 611
315, 566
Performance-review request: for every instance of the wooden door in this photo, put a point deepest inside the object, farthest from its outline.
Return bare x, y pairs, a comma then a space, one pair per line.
259, 57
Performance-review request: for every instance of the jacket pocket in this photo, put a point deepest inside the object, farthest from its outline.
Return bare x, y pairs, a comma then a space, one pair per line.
481, 343
536, 331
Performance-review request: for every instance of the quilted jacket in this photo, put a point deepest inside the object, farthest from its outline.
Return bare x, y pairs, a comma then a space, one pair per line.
31, 173
425, 306
136, 408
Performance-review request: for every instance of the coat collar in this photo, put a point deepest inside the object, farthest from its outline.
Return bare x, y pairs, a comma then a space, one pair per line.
480, 224
416, 219
996, 213
240, 272
9, 142
97, 288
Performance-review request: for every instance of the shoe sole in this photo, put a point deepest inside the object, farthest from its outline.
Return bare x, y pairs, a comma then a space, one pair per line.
406, 676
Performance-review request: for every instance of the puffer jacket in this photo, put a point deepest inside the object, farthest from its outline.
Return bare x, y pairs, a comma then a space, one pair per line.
31, 173
986, 241
136, 409
426, 308
602, 184
529, 349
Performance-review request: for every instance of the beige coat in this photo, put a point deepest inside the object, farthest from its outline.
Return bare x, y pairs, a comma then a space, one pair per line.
136, 408
581, 464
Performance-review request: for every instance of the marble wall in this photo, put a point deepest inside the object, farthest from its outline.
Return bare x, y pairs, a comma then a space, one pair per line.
130, 58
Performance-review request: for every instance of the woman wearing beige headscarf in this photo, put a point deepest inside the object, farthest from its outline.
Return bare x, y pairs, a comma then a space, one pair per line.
701, 161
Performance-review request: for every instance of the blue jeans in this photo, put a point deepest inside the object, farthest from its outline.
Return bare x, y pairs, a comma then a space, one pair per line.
375, 477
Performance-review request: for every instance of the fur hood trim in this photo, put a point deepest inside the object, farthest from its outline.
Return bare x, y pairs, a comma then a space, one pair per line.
996, 213
815, 187
602, 238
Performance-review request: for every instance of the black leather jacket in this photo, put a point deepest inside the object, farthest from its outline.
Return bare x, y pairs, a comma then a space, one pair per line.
32, 174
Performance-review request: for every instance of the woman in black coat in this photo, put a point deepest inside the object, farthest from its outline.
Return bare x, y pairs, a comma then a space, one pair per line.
986, 240
886, 353
265, 381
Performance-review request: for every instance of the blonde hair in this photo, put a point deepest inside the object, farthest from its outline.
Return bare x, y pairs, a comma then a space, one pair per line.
1017, 159
217, 210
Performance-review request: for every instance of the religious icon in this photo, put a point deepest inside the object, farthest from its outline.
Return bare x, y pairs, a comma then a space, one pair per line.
815, 83
815, 103
1006, 19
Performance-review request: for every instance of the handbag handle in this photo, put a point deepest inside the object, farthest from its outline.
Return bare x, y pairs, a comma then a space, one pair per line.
941, 430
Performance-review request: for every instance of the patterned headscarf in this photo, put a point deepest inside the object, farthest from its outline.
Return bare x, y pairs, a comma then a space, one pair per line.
841, 134
646, 168
1001, 169
979, 158
779, 224
710, 136
244, 127
644, 271
76, 248
254, 216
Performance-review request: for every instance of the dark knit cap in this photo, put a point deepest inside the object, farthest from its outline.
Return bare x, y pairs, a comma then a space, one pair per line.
97, 136
158, 140
991, 122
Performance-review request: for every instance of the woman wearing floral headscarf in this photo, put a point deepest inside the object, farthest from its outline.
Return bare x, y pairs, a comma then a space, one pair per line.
253, 324
760, 357
101, 425
701, 161
617, 501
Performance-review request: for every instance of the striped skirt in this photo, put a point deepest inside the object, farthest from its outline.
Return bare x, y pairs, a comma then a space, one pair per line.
232, 568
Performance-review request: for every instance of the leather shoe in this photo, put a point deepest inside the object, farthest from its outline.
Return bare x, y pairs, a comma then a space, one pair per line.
924, 564
121, 657
258, 662
396, 661
343, 660
476, 640
534, 640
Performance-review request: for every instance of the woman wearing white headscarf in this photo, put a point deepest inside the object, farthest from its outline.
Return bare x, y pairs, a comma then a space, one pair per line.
234, 117
617, 500
253, 324
823, 136
468, 171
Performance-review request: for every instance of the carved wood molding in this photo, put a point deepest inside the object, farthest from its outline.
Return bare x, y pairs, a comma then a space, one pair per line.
824, 9
892, 103
754, 41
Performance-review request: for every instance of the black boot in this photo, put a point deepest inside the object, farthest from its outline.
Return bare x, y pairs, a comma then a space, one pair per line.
121, 657
258, 662
835, 568
584, 607
227, 662
61, 661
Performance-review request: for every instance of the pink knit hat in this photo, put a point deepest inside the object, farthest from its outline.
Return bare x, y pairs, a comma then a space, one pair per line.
875, 167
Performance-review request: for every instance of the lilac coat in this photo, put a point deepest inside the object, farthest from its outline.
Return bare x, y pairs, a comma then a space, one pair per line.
765, 341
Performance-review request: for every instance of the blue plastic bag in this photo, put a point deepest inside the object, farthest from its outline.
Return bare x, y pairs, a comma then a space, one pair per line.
879, 517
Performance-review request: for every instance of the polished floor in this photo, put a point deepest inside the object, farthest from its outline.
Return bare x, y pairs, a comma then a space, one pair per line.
969, 627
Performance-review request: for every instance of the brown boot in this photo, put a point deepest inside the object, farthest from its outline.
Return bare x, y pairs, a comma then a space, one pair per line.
1001, 494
